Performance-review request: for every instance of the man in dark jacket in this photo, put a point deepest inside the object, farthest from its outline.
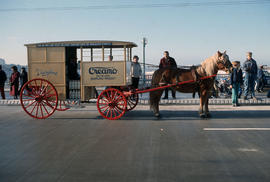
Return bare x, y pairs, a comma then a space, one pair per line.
250, 68
167, 62
3, 78
236, 80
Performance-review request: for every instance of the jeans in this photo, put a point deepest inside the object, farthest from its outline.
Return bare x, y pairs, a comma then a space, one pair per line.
249, 84
167, 93
235, 91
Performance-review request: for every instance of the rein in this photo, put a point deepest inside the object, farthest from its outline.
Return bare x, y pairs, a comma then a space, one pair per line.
170, 85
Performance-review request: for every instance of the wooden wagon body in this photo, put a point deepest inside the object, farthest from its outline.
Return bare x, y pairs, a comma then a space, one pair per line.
51, 61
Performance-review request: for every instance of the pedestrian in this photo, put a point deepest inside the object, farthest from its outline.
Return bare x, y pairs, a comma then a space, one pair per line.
167, 62
236, 80
260, 79
110, 58
136, 72
14, 82
250, 68
3, 78
23, 78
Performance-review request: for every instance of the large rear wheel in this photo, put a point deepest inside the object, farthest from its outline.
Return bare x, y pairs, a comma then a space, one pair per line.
39, 98
111, 104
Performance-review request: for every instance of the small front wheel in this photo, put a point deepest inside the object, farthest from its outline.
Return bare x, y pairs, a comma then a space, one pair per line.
39, 98
61, 106
111, 104
132, 101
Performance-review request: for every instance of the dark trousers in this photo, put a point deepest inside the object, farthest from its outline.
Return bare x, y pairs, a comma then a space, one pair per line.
135, 82
260, 84
2, 92
167, 92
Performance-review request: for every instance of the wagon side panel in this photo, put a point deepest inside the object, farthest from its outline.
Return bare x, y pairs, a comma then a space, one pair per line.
48, 63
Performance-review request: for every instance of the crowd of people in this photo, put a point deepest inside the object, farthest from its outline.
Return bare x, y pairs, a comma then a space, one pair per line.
16, 79
251, 75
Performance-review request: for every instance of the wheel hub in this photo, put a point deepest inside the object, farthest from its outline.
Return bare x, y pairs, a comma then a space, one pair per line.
39, 99
112, 104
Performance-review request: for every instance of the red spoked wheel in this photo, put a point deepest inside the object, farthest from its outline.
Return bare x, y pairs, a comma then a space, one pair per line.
132, 101
111, 104
61, 106
39, 98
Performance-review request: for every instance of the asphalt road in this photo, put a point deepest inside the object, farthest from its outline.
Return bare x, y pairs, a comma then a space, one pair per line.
78, 145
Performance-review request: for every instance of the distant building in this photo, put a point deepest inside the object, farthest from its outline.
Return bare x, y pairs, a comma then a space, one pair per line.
2, 61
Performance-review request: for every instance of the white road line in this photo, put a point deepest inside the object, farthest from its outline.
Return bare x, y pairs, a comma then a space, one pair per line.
248, 150
236, 129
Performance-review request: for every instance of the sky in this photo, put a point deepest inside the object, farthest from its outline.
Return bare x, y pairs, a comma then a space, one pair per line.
190, 33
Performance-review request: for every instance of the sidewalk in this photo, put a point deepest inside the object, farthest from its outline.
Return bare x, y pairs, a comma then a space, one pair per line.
264, 101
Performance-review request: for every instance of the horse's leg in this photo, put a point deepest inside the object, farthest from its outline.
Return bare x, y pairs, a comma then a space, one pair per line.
206, 110
202, 103
154, 101
201, 106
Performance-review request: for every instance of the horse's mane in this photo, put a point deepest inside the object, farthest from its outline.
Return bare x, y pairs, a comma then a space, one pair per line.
208, 66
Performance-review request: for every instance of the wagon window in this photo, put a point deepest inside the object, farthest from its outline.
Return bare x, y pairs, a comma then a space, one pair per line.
97, 54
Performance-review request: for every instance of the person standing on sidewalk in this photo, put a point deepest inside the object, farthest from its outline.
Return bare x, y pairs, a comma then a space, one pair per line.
250, 68
260, 80
136, 72
23, 78
235, 82
167, 62
3, 78
14, 82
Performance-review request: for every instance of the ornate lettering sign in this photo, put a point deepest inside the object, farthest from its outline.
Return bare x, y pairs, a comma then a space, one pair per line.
104, 73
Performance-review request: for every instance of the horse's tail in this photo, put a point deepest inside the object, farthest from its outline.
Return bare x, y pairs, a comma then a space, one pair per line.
154, 83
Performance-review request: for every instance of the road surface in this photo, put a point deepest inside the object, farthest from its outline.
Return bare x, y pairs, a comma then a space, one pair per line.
78, 145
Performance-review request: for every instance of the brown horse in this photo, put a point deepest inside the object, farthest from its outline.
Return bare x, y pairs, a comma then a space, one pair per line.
210, 66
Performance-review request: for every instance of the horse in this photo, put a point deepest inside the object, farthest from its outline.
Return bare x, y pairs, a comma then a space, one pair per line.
209, 67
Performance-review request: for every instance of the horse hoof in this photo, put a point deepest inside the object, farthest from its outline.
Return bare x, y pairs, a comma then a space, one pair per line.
202, 116
157, 115
208, 115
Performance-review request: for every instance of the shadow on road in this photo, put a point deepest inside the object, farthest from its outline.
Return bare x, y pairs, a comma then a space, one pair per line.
193, 115
173, 115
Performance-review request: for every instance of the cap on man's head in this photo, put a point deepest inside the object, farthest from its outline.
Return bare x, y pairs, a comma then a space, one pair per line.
167, 52
235, 63
249, 53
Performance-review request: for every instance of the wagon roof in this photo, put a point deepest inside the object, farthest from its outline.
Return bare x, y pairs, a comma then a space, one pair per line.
85, 44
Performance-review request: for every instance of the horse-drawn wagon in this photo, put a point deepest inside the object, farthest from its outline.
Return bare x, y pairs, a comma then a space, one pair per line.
55, 76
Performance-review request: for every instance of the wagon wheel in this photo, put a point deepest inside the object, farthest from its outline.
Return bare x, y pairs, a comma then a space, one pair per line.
61, 106
132, 101
111, 104
39, 98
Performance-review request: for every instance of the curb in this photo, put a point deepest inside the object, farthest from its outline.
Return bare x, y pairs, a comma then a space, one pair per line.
175, 102
211, 102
